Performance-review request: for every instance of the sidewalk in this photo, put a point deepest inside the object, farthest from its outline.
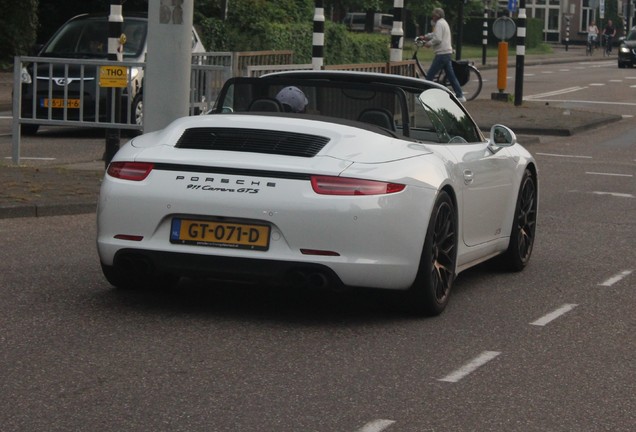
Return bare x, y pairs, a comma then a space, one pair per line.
73, 189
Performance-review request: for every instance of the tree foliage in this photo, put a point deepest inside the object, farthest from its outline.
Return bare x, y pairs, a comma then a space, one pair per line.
248, 25
18, 26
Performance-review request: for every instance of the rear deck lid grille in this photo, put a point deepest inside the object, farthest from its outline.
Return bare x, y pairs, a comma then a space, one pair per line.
252, 140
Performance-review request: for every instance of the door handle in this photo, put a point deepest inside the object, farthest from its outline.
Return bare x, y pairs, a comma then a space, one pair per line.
468, 177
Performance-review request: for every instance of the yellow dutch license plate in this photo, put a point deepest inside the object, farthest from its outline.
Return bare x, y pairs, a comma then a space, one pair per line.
220, 234
59, 103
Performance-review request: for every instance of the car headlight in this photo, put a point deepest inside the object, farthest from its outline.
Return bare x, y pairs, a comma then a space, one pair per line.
25, 76
624, 49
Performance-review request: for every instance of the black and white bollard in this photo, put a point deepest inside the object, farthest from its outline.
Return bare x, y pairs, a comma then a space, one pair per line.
317, 51
397, 31
521, 52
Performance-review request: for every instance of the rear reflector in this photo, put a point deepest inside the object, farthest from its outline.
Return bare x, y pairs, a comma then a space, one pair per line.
134, 171
129, 237
327, 185
318, 252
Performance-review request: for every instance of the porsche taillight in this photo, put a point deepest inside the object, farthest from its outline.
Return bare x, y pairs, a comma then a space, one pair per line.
329, 185
134, 171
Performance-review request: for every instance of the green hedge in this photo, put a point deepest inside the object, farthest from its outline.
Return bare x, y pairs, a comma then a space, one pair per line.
341, 46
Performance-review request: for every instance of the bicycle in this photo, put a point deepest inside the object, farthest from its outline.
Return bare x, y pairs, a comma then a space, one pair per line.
467, 74
607, 42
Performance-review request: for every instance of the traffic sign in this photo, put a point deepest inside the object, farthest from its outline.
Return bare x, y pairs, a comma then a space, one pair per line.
504, 28
113, 76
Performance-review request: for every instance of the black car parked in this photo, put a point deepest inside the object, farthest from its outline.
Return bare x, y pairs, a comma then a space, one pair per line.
71, 91
627, 50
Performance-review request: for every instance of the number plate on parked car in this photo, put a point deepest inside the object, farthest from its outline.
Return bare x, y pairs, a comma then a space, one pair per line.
220, 234
59, 103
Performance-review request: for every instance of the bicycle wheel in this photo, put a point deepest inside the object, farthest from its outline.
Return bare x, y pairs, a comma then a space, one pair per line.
472, 88
473, 85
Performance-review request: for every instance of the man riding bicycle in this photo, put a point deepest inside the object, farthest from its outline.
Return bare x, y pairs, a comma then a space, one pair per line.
609, 32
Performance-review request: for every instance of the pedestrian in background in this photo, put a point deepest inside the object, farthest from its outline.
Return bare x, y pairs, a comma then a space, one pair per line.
440, 41
592, 33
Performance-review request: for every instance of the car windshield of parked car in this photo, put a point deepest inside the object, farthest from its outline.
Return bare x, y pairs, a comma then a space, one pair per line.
88, 38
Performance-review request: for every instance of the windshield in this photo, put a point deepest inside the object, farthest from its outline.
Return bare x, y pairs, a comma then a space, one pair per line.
88, 38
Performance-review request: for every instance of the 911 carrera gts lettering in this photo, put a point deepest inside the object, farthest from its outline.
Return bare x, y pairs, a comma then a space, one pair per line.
221, 189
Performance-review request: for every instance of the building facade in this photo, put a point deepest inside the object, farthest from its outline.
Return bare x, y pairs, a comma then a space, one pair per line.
567, 20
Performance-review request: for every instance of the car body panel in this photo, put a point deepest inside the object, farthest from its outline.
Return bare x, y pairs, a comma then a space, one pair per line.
627, 50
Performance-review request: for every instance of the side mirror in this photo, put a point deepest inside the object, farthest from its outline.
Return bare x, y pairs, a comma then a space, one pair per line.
501, 136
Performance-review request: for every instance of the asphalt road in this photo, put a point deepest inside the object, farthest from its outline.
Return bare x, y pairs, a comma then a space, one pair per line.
550, 348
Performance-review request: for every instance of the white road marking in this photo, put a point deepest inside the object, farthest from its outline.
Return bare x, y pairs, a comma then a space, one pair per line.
555, 92
591, 102
34, 158
596, 84
471, 366
554, 315
565, 156
616, 80
609, 174
376, 426
5, 117
614, 279
614, 194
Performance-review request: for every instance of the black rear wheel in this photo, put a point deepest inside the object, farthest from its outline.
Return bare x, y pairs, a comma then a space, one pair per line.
29, 129
430, 292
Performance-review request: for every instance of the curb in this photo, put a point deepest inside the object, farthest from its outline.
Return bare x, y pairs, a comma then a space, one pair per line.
42, 210
561, 131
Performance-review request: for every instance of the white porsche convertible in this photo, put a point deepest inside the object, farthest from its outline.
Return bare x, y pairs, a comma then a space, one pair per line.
322, 178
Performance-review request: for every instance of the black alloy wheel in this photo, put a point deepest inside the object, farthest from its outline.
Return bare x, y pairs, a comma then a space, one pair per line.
524, 225
431, 290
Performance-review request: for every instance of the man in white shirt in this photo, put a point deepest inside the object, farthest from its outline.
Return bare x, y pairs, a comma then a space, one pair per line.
440, 40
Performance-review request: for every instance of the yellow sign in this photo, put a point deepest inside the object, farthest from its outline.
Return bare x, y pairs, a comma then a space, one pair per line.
113, 76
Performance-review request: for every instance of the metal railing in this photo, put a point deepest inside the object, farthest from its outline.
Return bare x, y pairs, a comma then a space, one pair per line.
88, 107
67, 92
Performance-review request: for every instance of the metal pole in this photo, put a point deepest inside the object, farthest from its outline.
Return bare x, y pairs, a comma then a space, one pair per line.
318, 48
397, 31
567, 32
521, 52
460, 30
484, 39
115, 24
